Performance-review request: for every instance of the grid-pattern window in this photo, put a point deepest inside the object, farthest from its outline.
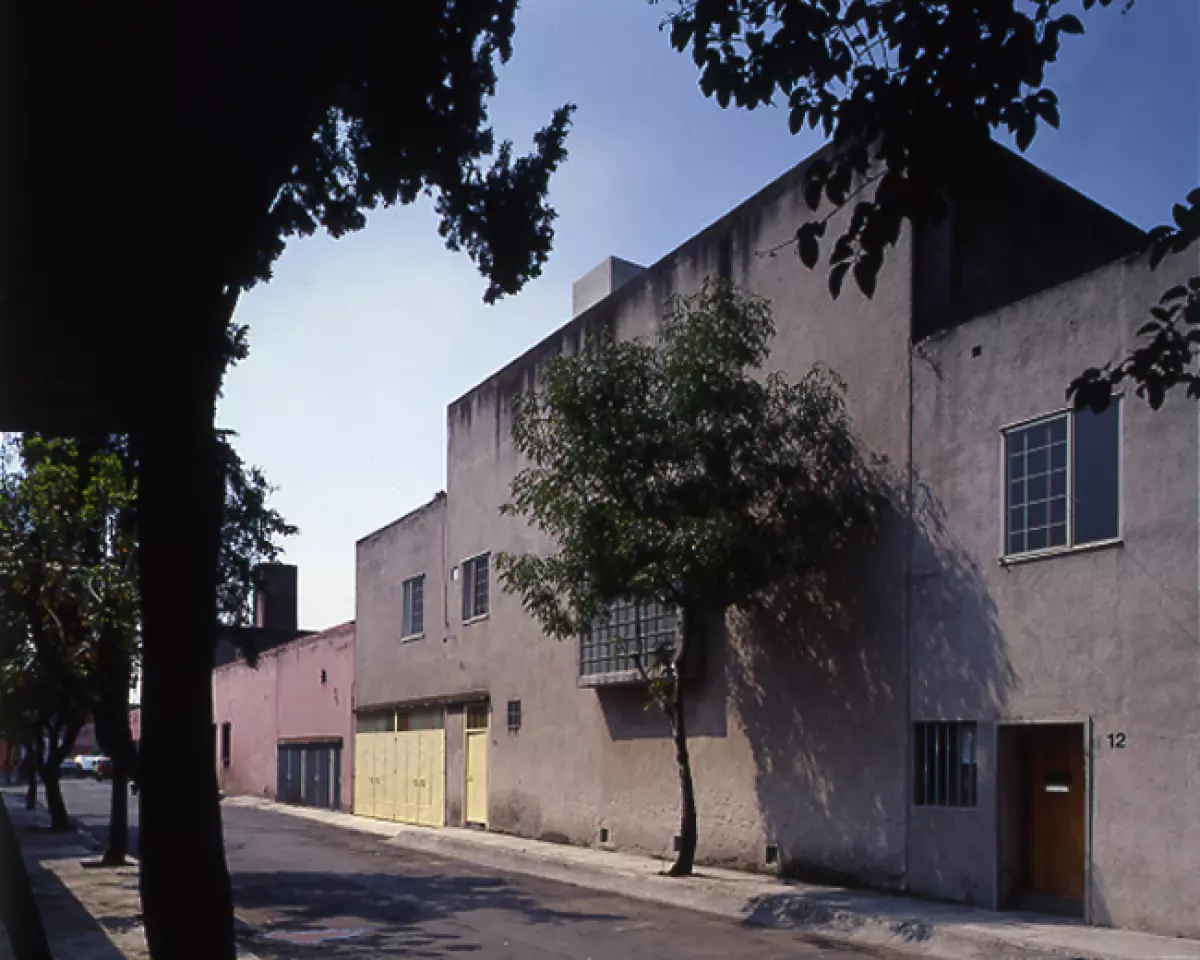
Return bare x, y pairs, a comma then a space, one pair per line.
613, 644
413, 615
1037, 486
226, 744
514, 716
945, 774
1062, 477
475, 586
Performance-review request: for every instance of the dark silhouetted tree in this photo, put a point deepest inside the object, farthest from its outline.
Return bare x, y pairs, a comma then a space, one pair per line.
184, 144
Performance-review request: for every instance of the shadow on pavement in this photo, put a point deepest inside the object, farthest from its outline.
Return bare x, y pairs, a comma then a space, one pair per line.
410, 916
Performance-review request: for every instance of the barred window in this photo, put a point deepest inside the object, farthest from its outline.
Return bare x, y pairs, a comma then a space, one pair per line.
612, 645
945, 774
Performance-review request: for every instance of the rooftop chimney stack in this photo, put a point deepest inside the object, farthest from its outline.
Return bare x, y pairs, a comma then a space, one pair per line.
597, 284
276, 596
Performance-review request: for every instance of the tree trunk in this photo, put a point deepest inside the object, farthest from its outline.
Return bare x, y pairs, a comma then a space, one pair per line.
18, 909
186, 896
686, 857
118, 820
59, 820
688, 635
29, 765
112, 727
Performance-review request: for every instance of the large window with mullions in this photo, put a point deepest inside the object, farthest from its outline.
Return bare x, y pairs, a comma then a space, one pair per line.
1062, 481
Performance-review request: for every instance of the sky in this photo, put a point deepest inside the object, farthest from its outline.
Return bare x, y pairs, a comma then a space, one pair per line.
358, 345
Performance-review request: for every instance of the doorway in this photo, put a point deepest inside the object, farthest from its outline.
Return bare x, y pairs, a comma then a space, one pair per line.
1042, 818
476, 765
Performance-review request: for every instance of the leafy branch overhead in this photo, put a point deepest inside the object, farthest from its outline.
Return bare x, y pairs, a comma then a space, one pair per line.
907, 90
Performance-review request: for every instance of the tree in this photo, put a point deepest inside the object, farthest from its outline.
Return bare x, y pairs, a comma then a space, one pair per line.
186, 143
907, 89
673, 473
48, 517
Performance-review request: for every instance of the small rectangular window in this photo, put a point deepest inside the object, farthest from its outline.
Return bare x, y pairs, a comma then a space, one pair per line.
514, 716
226, 744
377, 721
475, 586
477, 716
945, 770
1062, 481
421, 718
413, 614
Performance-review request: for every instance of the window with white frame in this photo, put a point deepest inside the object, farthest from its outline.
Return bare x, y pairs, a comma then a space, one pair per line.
413, 607
629, 632
475, 586
1062, 481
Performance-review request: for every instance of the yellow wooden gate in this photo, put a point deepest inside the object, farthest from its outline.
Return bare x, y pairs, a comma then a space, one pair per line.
401, 776
476, 765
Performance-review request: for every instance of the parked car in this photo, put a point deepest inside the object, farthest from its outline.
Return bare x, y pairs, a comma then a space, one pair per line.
87, 763
70, 768
104, 768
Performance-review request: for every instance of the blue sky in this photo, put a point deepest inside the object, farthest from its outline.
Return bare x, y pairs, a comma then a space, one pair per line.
358, 345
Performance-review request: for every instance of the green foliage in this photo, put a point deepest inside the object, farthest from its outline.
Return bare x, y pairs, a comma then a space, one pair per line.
251, 534
907, 89
672, 471
66, 574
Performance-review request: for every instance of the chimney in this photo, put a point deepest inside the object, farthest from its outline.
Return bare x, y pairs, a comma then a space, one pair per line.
597, 284
275, 596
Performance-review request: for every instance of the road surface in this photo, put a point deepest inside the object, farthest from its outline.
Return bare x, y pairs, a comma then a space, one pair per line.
296, 879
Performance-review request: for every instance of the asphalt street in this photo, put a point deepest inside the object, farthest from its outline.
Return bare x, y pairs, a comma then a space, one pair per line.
309, 889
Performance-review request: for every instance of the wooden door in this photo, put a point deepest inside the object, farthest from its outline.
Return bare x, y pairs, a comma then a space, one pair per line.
1056, 850
476, 767
364, 774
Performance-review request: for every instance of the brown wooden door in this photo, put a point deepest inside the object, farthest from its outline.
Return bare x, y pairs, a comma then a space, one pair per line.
1056, 811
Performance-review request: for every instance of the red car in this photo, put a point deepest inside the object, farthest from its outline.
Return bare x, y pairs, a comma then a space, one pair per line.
104, 768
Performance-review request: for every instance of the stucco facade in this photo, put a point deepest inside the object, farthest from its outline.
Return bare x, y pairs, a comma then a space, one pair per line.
300, 693
801, 723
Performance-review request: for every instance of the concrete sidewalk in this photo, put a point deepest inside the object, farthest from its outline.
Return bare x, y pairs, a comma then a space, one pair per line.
900, 923
87, 913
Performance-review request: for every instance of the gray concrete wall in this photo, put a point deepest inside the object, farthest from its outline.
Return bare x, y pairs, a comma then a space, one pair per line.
1106, 636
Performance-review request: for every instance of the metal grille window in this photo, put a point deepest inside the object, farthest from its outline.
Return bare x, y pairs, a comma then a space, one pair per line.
945, 774
475, 586
514, 716
613, 646
226, 744
413, 614
1062, 481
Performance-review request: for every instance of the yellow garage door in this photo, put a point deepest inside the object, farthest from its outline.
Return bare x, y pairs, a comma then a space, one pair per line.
401, 776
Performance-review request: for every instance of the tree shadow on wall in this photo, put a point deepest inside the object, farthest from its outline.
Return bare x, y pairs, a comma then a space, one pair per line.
819, 682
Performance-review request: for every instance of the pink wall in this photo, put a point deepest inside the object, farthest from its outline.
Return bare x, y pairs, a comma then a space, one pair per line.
285, 699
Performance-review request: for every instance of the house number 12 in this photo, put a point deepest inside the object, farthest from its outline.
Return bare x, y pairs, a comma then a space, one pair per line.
1116, 741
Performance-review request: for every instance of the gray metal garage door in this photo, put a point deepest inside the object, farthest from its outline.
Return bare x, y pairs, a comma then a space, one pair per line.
310, 774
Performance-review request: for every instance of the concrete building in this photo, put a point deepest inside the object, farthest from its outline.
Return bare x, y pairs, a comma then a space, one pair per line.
1003, 707
283, 728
